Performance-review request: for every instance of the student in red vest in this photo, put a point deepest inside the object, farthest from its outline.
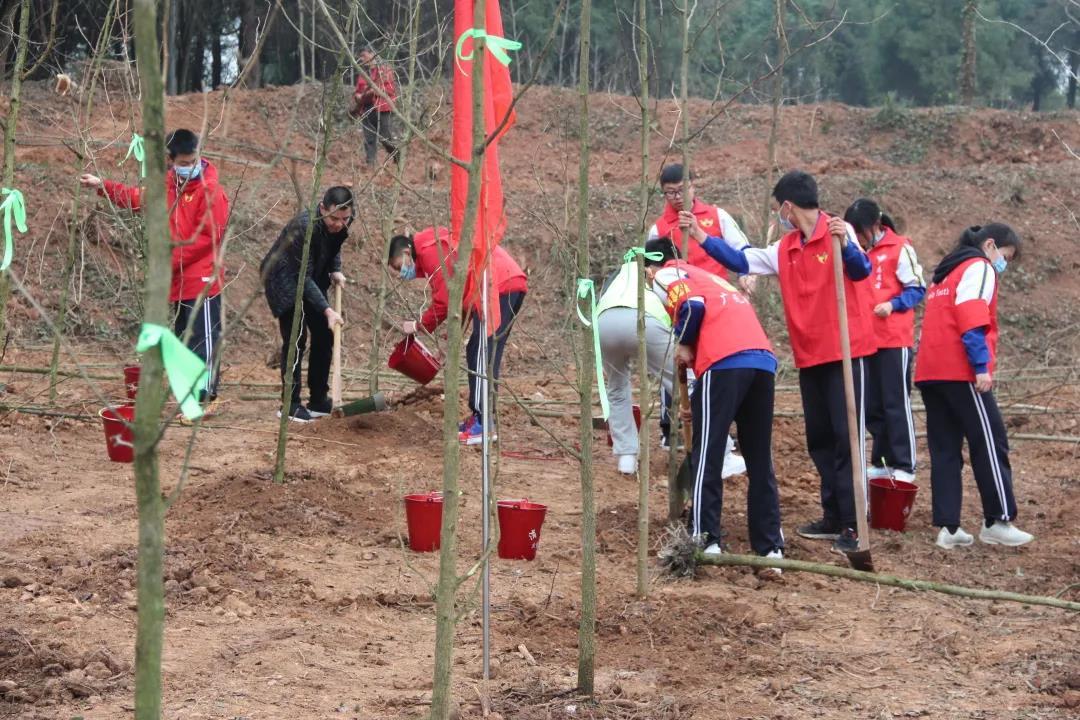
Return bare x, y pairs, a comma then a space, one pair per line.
429, 254
802, 260
719, 336
897, 287
375, 110
954, 373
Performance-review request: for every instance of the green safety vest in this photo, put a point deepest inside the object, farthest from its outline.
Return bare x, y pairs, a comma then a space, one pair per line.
622, 292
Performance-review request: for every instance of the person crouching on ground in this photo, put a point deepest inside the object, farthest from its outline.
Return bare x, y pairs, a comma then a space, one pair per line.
954, 372
428, 254
718, 334
280, 270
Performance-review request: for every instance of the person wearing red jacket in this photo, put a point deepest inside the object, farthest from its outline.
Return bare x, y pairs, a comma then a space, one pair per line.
373, 103
802, 261
430, 254
719, 336
897, 288
954, 373
198, 216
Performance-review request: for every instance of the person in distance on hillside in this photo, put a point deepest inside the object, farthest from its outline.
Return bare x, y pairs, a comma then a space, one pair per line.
718, 334
375, 108
198, 216
954, 373
897, 286
802, 261
280, 271
429, 254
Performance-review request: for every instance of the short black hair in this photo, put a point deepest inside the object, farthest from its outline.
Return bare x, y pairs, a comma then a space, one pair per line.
181, 142
1002, 235
797, 187
864, 212
673, 173
664, 247
398, 243
338, 196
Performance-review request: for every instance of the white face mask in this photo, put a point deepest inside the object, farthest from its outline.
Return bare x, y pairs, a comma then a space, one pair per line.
785, 224
878, 236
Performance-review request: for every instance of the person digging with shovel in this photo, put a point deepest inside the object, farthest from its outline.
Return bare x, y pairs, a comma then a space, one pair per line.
280, 271
718, 335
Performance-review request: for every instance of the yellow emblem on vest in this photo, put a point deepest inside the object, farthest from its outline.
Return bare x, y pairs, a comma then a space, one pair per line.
705, 222
188, 197
822, 258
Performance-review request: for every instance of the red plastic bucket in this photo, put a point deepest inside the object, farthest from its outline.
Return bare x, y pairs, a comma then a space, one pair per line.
119, 437
637, 421
131, 380
423, 514
519, 528
890, 503
412, 359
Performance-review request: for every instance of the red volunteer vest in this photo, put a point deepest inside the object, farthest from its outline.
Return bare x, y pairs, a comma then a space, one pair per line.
809, 294
941, 349
707, 217
730, 325
898, 329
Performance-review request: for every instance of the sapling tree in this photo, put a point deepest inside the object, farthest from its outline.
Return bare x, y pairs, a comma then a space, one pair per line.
10, 122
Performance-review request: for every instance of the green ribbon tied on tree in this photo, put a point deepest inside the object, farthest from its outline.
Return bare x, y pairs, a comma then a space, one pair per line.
186, 371
587, 289
497, 45
14, 208
138, 149
633, 252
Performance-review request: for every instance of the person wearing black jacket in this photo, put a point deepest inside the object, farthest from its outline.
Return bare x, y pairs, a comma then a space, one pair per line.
280, 271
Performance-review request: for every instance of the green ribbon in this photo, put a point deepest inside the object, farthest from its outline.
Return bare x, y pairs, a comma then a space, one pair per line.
587, 289
137, 149
497, 45
14, 208
633, 252
186, 371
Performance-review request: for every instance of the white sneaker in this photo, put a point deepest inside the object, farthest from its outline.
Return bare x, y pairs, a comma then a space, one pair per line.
873, 472
1004, 533
903, 475
733, 465
774, 555
713, 550
627, 464
948, 540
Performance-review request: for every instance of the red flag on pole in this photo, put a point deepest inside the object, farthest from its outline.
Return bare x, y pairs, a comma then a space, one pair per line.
498, 96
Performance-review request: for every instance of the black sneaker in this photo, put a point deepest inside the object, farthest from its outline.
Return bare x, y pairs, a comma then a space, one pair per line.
847, 542
820, 530
320, 408
298, 413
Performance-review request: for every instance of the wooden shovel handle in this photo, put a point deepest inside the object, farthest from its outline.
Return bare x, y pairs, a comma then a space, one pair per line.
335, 382
684, 404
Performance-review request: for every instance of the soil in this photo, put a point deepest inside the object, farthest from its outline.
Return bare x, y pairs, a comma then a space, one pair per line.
297, 600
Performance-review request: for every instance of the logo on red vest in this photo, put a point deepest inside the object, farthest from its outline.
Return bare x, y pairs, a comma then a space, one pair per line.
705, 222
822, 257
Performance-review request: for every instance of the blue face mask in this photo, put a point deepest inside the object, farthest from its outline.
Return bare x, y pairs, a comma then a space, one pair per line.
878, 235
407, 272
184, 173
785, 224
1000, 264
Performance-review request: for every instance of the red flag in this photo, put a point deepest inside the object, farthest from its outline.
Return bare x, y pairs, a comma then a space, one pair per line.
498, 96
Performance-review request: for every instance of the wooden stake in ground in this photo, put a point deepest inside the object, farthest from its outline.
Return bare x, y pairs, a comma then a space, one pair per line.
335, 380
859, 559
645, 397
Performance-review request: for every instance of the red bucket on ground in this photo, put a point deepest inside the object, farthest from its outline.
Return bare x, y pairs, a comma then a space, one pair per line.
119, 436
519, 528
131, 380
423, 515
890, 503
412, 359
637, 421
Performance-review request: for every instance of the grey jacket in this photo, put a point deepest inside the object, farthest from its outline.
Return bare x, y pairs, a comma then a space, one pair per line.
280, 268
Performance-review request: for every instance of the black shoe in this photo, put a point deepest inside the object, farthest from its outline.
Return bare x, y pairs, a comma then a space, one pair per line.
820, 530
848, 542
298, 413
320, 408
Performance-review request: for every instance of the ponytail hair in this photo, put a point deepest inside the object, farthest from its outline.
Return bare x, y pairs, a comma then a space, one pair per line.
864, 212
665, 247
1002, 235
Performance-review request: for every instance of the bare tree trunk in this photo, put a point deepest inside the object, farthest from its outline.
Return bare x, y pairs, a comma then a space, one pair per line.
249, 62
967, 62
215, 63
10, 124
300, 40
1074, 70
645, 397
782, 50
587, 627
446, 591
151, 397
172, 46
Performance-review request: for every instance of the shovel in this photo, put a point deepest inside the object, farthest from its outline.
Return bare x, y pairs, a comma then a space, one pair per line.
859, 559
684, 478
335, 363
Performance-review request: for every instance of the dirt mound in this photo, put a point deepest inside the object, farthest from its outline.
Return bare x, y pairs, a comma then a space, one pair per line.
37, 669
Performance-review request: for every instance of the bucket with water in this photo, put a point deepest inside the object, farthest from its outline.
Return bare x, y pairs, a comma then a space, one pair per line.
423, 515
891, 501
119, 435
412, 359
519, 528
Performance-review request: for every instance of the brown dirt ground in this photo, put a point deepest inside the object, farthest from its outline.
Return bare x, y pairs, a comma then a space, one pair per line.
296, 600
